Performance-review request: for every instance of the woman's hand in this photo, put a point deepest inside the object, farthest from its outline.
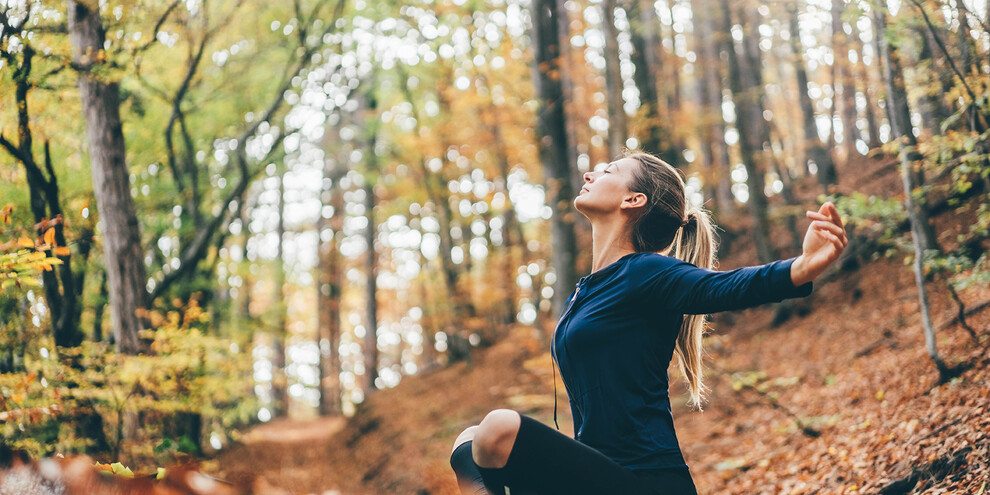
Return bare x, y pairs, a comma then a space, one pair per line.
823, 243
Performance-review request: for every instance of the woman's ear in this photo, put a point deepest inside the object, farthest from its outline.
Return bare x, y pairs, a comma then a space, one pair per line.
633, 200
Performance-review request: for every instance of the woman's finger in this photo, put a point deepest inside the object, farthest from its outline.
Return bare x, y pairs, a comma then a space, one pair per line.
828, 226
834, 213
814, 215
838, 244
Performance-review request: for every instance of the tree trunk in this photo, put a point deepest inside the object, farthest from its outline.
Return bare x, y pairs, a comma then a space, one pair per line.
901, 129
111, 183
844, 91
567, 83
850, 115
711, 126
553, 145
918, 268
815, 149
746, 84
644, 26
512, 244
280, 385
330, 286
718, 43
617, 127
459, 295
370, 347
60, 286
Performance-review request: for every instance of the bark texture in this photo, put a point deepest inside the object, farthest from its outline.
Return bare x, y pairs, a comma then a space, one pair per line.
111, 182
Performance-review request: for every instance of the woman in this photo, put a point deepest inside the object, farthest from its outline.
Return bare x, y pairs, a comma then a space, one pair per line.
618, 333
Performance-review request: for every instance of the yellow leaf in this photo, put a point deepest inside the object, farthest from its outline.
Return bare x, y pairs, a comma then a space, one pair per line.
62, 251
25, 242
50, 237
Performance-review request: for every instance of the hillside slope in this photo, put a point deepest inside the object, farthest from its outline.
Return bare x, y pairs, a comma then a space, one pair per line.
840, 398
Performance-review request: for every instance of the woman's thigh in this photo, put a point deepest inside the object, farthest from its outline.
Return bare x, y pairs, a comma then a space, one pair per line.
548, 462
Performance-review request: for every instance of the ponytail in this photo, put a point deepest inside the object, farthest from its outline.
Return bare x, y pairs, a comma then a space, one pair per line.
695, 244
665, 227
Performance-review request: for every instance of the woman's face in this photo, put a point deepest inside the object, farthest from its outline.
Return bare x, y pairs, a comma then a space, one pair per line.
607, 191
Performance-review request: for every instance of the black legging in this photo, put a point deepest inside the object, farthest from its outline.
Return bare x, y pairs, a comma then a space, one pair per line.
544, 461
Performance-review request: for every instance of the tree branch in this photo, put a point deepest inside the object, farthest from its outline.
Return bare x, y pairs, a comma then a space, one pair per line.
158, 26
196, 250
948, 57
13, 150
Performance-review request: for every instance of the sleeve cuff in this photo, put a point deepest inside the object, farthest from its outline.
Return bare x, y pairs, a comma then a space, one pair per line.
781, 278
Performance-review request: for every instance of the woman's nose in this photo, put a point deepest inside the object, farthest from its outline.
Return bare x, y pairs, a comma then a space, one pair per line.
588, 176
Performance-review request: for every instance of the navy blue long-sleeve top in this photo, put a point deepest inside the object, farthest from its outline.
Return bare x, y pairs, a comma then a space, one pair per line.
616, 336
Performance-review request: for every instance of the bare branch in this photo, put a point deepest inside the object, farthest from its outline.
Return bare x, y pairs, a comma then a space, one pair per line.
13, 150
948, 57
303, 60
158, 26
196, 250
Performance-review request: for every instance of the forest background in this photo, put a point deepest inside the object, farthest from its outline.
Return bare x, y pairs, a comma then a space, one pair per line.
222, 213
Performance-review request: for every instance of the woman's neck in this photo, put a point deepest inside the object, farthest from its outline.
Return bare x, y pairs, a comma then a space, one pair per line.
610, 241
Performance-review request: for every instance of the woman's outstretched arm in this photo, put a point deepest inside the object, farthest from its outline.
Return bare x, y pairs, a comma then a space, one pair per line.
823, 243
682, 287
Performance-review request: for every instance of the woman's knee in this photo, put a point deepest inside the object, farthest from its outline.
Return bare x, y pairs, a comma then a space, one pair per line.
494, 438
466, 436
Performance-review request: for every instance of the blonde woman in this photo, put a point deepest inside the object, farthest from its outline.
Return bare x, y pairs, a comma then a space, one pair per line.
618, 333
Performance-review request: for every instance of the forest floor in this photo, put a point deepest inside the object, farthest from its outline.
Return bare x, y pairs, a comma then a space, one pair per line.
839, 398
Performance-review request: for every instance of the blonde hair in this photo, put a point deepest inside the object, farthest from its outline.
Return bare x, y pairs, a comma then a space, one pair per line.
668, 225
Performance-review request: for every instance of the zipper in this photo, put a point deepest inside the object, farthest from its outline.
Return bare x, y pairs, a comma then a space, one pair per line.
553, 353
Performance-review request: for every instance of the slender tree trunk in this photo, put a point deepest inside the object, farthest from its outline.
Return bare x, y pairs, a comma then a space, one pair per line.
714, 46
60, 286
901, 129
850, 115
872, 124
436, 190
460, 296
709, 100
844, 97
331, 271
567, 82
553, 145
671, 67
280, 385
429, 324
644, 27
746, 85
371, 293
99, 309
815, 149
111, 183
511, 245
927, 101
370, 118
617, 127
